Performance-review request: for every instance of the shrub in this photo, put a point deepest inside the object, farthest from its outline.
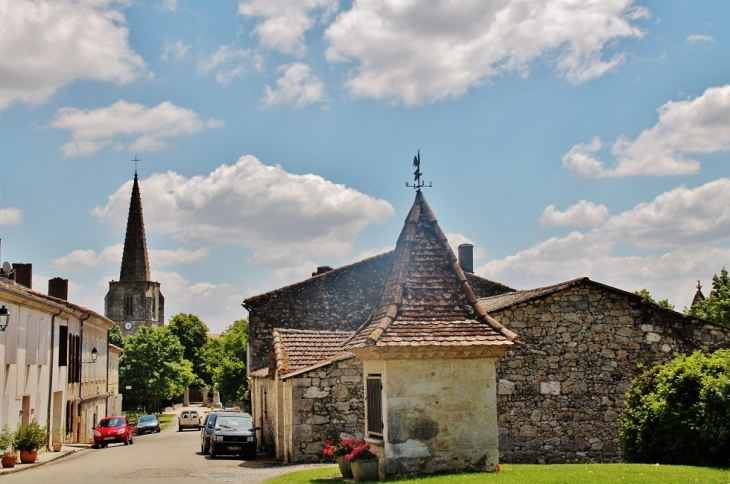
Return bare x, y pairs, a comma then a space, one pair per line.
30, 436
7, 441
679, 413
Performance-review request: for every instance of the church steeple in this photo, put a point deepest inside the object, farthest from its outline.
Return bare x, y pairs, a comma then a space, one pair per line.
135, 263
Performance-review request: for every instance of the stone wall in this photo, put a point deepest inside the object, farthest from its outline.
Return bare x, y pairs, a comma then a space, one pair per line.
561, 393
147, 302
326, 403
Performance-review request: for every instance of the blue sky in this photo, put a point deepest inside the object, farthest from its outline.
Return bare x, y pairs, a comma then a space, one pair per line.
563, 139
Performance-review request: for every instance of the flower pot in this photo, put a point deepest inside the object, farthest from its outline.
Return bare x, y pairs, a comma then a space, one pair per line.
28, 456
8, 461
365, 470
345, 468
57, 446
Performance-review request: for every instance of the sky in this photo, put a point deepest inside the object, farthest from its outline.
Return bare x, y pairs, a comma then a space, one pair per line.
563, 139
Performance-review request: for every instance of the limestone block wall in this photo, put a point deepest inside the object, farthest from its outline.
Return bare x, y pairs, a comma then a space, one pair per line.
561, 393
440, 415
326, 403
148, 305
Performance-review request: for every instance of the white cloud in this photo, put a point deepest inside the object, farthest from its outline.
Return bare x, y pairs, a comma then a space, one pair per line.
94, 129
700, 125
11, 216
424, 51
582, 214
298, 86
286, 219
691, 227
226, 62
455, 240
80, 260
176, 50
46, 44
285, 21
169, 5
693, 39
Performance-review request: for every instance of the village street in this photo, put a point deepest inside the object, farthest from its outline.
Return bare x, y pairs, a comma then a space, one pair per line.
167, 457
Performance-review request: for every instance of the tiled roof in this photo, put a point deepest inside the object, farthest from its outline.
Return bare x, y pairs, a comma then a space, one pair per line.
426, 298
296, 349
135, 263
260, 373
501, 301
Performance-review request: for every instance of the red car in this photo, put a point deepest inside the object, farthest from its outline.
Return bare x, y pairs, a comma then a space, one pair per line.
112, 430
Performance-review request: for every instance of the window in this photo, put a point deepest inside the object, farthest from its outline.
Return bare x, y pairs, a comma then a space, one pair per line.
62, 345
128, 305
374, 387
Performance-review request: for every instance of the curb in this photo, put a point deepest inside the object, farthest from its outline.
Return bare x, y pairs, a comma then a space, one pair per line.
55, 457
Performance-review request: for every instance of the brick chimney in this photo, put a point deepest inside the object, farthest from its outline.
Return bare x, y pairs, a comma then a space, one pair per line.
466, 258
58, 287
23, 274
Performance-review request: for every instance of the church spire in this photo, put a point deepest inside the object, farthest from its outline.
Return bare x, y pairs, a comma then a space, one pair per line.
135, 264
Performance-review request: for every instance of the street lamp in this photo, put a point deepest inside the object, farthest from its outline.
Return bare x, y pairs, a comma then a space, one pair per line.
94, 356
4, 318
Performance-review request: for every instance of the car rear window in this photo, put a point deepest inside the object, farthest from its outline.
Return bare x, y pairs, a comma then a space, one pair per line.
193, 414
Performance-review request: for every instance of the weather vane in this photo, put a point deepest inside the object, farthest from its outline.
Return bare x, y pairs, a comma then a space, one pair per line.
418, 184
135, 160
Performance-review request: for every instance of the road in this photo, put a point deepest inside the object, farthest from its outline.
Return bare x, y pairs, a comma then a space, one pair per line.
165, 458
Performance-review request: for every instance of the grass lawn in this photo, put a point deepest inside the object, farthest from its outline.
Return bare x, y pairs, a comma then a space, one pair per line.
542, 474
166, 419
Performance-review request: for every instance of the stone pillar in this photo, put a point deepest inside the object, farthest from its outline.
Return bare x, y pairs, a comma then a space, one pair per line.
186, 398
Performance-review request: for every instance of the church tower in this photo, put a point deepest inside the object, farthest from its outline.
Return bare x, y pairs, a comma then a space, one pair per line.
135, 300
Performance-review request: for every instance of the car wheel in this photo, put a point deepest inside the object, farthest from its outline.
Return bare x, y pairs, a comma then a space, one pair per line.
213, 455
131, 440
252, 455
126, 441
158, 429
206, 449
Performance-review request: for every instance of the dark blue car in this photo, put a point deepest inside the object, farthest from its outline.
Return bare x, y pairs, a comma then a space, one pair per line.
206, 430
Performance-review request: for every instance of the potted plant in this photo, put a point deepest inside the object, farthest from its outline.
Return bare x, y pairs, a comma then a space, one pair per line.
28, 439
364, 462
58, 436
7, 446
339, 451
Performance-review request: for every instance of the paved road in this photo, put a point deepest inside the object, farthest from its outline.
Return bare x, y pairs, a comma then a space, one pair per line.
165, 458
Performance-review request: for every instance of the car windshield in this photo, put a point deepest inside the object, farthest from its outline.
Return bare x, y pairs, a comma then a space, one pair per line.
112, 422
238, 423
147, 419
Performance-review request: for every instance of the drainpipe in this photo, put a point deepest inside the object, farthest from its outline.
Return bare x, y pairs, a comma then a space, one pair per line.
50, 378
106, 407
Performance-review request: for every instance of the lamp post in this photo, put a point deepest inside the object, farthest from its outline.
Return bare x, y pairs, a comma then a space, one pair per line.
4, 318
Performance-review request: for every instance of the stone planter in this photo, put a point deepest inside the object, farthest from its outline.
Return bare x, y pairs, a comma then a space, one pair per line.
28, 456
8, 461
365, 470
345, 467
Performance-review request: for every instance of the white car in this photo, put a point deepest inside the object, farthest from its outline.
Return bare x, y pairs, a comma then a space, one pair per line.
188, 419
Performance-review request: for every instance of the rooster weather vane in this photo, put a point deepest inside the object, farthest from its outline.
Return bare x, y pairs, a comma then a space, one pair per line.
418, 184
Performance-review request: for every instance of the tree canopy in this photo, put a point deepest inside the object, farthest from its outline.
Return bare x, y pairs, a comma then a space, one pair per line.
115, 337
716, 306
226, 361
644, 293
679, 413
193, 335
158, 370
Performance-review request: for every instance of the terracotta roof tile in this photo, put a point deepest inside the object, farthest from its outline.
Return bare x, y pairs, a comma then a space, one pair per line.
298, 349
426, 298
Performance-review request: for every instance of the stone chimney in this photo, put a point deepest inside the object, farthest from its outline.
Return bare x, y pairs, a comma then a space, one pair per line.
58, 287
23, 274
466, 258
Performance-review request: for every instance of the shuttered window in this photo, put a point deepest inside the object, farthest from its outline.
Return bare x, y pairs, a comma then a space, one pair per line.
62, 345
374, 405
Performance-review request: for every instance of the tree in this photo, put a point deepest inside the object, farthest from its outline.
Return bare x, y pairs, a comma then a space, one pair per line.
115, 337
715, 307
226, 360
193, 335
664, 303
679, 413
158, 370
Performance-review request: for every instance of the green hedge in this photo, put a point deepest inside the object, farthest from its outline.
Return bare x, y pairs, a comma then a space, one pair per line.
679, 413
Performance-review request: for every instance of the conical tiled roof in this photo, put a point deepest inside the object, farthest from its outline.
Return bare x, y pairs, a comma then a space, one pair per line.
698, 295
426, 299
135, 264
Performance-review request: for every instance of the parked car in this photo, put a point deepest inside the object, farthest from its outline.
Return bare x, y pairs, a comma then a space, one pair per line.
147, 423
206, 430
188, 420
233, 434
112, 430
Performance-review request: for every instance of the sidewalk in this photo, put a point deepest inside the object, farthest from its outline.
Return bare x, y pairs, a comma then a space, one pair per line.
46, 457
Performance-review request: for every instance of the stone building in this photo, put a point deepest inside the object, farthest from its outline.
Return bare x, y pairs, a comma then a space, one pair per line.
135, 300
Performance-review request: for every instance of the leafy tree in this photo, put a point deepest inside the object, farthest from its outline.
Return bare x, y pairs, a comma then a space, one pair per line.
664, 303
226, 361
158, 370
715, 307
679, 413
115, 337
193, 335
